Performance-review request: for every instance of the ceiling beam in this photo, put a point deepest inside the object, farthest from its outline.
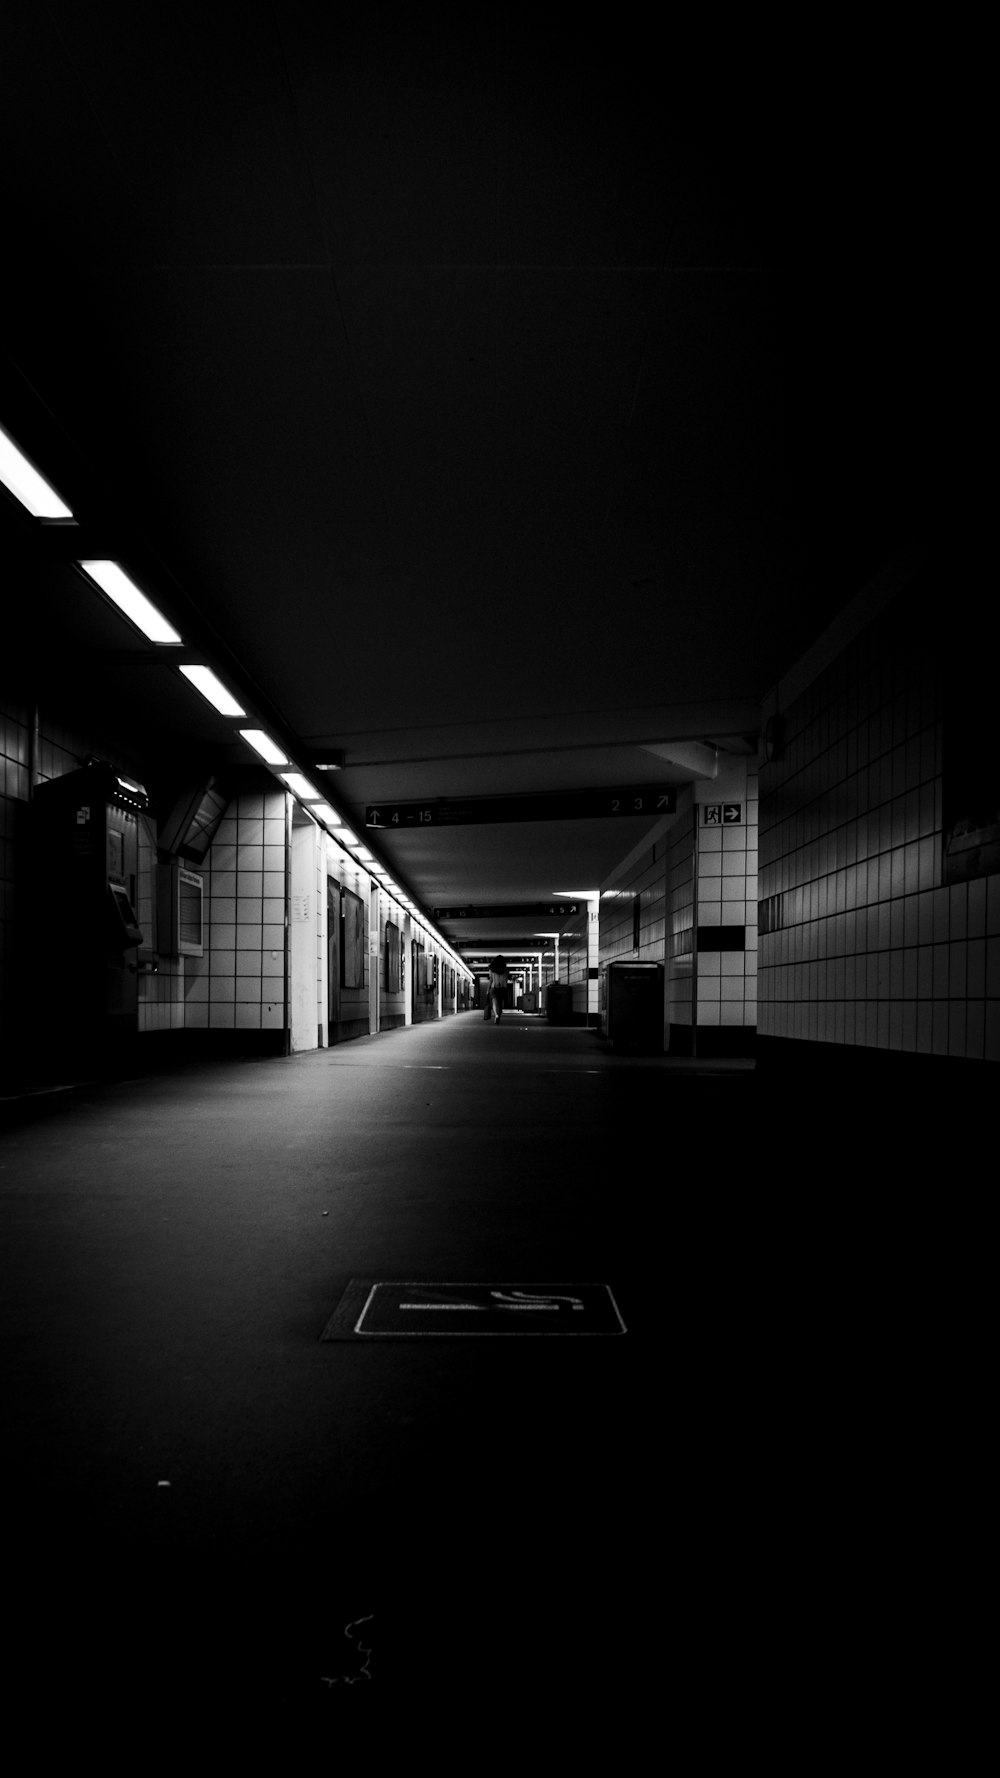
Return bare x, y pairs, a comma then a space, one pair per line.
697, 757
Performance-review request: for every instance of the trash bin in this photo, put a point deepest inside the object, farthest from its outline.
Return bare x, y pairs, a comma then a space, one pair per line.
559, 1003
634, 1008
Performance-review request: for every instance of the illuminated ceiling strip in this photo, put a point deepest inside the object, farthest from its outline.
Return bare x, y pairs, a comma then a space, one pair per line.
123, 592
30, 488
261, 743
213, 690
301, 787
27, 484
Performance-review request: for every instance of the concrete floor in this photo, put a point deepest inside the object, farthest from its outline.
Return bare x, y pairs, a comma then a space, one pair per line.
583, 1532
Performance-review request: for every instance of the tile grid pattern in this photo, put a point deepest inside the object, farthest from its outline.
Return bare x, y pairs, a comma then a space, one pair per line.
647, 881
573, 966
727, 896
240, 981
680, 949
869, 947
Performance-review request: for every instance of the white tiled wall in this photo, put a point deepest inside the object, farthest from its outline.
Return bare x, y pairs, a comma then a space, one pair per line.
647, 880
722, 862
240, 981
680, 947
574, 968
727, 896
872, 949
641, 877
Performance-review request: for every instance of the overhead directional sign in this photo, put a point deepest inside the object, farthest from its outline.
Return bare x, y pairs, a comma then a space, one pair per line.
530, 910
565, 805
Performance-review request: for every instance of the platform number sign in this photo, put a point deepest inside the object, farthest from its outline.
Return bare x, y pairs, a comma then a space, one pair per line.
575, 805
641, 802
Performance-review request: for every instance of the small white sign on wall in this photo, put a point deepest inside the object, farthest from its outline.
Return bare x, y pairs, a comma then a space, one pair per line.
300, 907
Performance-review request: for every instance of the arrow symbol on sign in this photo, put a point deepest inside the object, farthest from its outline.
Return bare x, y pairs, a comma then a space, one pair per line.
530, 1299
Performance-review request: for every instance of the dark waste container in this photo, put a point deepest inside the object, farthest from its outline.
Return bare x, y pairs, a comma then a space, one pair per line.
559, 1003
634, 1009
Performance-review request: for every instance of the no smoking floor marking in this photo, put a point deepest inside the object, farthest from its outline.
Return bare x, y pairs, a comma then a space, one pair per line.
380, 1309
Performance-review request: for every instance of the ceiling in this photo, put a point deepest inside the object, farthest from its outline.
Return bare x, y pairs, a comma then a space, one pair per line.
488, 406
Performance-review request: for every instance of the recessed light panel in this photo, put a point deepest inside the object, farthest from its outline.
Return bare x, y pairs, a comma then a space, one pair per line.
212, 689
134, 604
301, 787
263, 744
27, 484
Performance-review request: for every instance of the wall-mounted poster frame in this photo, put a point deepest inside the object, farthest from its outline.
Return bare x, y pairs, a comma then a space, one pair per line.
352, 940
393, 958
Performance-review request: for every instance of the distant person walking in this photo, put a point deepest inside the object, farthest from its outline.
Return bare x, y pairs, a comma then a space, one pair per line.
497, 988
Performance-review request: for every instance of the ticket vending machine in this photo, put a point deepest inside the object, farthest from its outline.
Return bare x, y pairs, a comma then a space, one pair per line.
85, 864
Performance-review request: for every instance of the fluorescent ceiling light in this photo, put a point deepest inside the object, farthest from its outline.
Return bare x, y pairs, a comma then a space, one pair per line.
205, 681
263, 744
124, 593
301, 786
347, 837
26, 483
580, 894
325, 813
363, 852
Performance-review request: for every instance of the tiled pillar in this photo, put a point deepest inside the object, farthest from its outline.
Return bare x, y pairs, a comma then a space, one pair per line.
725, 952
239, 984
593, 959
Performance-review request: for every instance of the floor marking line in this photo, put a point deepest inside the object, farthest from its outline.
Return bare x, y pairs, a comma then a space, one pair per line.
477, 1307
533, 1308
